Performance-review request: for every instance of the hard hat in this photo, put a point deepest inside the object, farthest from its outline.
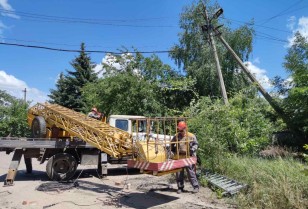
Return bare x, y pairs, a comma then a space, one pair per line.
181, 125
94, 109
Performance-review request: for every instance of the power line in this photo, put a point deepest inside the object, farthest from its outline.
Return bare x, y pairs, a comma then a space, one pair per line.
81, 19
98, 23
272, 39
252, 24
281, 13
72, 20
40, 42
268, 36
263, 35
87, 51
63, 44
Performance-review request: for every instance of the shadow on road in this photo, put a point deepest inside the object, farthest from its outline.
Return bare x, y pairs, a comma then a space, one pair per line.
146, 200
114, 196
22, 175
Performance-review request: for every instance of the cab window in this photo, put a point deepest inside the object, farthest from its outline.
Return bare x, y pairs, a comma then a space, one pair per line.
141, 126
122, 124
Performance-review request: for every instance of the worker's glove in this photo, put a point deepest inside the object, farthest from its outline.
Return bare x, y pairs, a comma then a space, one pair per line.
170, 154
193, 150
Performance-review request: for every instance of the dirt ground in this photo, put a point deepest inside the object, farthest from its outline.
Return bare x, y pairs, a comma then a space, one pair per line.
123, 188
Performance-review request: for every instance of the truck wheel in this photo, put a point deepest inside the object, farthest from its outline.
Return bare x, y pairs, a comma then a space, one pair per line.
61, 167
38, 127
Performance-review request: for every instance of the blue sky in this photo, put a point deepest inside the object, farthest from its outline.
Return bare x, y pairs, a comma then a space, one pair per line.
148, 25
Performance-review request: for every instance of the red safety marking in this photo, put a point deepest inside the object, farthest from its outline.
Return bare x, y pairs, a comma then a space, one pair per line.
164, 166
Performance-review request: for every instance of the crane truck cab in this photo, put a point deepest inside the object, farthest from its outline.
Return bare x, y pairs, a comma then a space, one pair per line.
139, 126
126, 122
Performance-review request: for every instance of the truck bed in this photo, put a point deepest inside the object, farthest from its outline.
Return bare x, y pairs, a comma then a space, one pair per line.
22, 143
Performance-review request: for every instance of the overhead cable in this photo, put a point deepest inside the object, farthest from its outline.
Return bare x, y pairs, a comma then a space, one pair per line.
252, 24
82, 19
65, 44
87, 51
281, 13
58, 19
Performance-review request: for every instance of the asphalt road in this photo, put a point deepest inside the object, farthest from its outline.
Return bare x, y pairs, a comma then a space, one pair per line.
121, 189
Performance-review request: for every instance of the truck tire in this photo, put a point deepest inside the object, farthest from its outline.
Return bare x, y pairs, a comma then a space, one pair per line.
61, 167
38, 127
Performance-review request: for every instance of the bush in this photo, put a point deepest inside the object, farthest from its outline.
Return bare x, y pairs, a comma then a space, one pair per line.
13, 116
272, 183
240, 127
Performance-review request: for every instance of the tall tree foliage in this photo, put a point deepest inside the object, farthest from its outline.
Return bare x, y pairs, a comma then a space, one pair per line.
139, 85
68, 87
194, 53
296, 102
13, 116
60, 96
123, 93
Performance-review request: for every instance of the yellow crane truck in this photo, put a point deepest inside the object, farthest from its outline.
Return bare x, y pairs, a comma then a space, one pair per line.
65, 138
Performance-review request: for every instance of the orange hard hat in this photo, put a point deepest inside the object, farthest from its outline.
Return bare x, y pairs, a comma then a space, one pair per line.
94, 109
182, 125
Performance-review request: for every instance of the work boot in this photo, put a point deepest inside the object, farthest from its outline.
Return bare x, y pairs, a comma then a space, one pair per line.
196, 190
180, 190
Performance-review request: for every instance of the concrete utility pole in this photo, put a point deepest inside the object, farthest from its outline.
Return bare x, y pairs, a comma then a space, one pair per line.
25, 94
209, 28
251, 76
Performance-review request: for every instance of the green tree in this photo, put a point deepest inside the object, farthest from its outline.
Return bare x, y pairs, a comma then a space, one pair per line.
68, 87
139, 85
13, 116
60, 96
194, 53
175, 91
296, 102
123, 93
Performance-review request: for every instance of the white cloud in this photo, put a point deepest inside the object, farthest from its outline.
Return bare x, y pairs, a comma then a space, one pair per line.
5, 5
301, 27
260, 75
15, 87
99, 69
9, 10
111, 60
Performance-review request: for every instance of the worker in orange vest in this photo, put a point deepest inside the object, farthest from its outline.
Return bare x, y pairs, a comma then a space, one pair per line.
181, 147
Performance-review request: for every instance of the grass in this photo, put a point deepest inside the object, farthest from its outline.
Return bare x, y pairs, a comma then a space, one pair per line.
276, 183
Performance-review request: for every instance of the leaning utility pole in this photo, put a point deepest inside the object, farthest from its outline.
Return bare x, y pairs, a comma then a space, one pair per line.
209, 28
270, 100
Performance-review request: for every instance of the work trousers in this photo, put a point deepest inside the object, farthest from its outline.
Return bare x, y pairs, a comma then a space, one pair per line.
191, 175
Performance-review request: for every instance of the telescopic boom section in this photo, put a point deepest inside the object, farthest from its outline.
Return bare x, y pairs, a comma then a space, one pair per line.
106, 138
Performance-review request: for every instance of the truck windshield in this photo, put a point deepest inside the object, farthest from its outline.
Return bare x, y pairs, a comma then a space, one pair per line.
122, 124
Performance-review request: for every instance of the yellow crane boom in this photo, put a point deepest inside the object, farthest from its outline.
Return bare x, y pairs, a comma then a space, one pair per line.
106, 138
